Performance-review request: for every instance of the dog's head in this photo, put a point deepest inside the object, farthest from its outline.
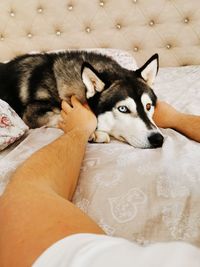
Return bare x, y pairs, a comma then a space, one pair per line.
124, 105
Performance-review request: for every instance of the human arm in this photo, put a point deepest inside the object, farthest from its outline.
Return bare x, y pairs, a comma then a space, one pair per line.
66, 152
166, 116
36, 208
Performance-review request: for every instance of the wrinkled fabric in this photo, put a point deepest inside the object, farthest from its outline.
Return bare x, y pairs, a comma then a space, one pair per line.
146, 195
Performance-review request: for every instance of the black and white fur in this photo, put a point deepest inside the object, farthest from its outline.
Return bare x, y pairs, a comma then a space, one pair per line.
122, 100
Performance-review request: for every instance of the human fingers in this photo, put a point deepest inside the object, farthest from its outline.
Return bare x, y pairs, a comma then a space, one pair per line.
63, 115
75, 102
65, 106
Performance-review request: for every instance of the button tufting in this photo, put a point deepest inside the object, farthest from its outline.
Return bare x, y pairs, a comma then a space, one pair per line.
12, 13
101, 3
58, 32
29, 35
40, 10
88, 29
151, 23
143, 20
70, 7
168, 46
118, 26
2, 37
186, 20
104, 46
185, 64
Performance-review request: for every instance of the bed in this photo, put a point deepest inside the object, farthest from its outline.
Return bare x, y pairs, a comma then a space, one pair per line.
145, 195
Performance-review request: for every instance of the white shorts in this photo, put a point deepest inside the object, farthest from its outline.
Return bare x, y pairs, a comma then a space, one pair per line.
91, 250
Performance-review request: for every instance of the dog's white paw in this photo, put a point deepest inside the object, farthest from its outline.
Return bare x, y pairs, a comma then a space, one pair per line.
100, 137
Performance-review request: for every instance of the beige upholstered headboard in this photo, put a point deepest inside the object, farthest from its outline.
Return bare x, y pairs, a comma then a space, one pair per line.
142, 27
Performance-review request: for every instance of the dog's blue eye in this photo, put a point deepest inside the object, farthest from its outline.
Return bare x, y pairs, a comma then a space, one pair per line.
123, 109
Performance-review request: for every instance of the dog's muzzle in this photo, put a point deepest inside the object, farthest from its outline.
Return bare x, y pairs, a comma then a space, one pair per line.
156, 140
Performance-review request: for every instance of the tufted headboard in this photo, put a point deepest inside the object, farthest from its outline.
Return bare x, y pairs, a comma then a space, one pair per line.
142, 27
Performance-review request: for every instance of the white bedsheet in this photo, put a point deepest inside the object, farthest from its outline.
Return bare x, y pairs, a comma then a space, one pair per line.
143, 195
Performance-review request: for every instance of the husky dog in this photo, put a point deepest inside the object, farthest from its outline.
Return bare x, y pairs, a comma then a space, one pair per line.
122, 100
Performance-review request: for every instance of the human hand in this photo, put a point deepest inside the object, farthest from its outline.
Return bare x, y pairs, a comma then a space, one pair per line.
165, 116
78, 116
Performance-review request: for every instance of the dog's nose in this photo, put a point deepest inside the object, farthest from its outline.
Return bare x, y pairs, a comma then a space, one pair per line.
156, 140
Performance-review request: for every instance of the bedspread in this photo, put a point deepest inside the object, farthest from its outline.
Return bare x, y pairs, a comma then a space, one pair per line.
149, 195
141, 194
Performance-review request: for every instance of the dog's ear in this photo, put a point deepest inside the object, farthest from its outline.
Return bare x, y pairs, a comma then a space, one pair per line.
149, 70
90, 78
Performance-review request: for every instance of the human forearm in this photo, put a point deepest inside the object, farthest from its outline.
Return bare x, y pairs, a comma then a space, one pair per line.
57, 164
35, 209
166, 116
188, 125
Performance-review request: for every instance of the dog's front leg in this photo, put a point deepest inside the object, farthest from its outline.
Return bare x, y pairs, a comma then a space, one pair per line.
41, 113
99, 137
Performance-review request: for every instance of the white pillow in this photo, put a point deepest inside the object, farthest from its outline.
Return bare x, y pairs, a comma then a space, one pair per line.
12, 126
